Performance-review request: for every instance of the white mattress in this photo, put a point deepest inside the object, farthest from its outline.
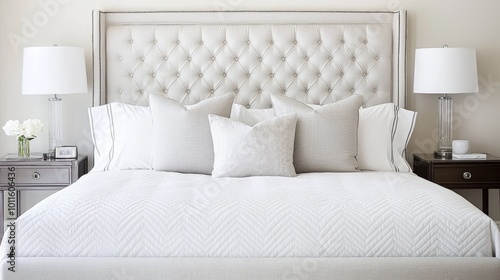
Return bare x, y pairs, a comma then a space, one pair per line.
161, 214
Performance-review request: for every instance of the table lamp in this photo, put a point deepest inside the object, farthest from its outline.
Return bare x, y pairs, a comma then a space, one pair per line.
445, 71
54, 70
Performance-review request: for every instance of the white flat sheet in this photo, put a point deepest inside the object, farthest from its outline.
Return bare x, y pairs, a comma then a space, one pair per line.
161, 214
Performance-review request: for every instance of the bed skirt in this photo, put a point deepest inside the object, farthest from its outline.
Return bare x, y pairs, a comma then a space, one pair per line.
253, 268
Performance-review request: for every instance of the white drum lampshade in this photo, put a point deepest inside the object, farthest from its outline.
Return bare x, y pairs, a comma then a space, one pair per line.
54, 70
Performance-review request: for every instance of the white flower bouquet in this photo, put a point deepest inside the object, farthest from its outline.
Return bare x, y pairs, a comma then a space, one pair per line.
24, 132
29, 129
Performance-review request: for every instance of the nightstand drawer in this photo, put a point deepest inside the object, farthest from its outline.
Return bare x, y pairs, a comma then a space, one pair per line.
488, 173
37, 176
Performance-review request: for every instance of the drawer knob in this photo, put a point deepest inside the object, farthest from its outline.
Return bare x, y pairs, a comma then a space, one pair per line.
467, 175
35, 175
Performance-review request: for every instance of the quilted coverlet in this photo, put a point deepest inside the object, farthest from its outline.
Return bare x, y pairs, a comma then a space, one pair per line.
162, 214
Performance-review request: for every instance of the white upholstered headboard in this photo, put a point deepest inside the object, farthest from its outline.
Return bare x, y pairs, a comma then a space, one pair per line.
315, 57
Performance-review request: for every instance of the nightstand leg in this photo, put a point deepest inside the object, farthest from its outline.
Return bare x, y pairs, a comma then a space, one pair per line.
485, 201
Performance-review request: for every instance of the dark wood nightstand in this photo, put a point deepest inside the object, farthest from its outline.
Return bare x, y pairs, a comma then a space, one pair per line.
24, 174
460, 173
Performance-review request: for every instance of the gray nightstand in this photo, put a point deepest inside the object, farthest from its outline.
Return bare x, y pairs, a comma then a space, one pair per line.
20, 174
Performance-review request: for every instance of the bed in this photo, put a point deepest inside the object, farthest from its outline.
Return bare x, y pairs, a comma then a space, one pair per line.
251, 145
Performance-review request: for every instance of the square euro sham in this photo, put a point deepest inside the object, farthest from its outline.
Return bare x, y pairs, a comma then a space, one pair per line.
265, 149
326, 137
383, 134
121, 134
181, 136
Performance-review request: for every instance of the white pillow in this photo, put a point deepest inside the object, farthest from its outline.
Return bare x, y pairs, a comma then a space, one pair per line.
181, 136
121, 134
326, 137
383, 134
250, 116
265, 149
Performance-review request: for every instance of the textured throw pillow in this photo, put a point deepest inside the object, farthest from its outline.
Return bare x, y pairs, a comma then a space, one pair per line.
181, 136
250, 116
326, 137
121, 134
265, 149
383, 134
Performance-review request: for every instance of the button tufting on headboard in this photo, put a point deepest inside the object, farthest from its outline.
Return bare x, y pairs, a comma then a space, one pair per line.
316, 63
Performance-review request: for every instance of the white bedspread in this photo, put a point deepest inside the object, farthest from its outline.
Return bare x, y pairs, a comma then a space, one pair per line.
161, 214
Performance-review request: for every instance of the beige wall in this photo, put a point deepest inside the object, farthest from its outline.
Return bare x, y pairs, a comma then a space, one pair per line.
463, 23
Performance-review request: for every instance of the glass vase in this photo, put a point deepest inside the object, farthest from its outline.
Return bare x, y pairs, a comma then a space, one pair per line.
23, 147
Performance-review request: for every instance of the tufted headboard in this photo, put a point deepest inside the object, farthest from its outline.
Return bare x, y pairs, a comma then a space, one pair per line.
315, 57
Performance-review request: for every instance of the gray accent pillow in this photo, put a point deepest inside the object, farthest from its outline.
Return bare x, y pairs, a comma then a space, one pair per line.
181, 136
326, 137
